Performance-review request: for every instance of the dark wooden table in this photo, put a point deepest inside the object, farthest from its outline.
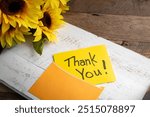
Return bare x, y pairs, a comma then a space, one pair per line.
126, 23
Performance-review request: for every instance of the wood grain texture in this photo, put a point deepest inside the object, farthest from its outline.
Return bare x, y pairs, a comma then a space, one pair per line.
10, 96
113, 27
7, 94
132, 32
4, 89
147, 95
115, 7
140, 47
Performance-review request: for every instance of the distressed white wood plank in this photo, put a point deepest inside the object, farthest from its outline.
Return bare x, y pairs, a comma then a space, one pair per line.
131, 69
18, 73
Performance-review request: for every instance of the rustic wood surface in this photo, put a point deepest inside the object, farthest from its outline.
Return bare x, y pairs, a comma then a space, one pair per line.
132, 32
115, 7
113, 20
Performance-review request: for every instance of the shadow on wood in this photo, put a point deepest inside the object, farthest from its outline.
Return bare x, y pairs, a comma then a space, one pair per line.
1, 49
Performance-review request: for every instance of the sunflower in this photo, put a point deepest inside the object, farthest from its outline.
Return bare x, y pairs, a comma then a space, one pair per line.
45, 31
19, 13
40, 18
63, 5
13, 36
57, 4
52, 20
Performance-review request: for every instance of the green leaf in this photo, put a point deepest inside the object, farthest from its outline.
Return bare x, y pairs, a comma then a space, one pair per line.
38, 46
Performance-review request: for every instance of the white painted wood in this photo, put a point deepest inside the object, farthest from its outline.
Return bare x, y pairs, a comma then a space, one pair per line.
20, 66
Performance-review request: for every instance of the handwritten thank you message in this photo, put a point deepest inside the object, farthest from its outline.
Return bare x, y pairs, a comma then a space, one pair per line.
90, 64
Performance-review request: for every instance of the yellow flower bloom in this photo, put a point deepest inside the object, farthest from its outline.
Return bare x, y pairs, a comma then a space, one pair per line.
38, 17
19, 12
63, 5
51, 21
13, 36
57, 4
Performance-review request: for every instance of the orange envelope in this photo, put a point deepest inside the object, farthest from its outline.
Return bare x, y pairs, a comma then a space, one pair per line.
56, 84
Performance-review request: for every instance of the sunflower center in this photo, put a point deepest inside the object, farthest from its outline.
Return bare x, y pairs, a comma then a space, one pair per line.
46, 20
12, 7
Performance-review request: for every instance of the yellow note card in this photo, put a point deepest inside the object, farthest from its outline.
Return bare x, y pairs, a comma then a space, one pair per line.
90, 64
56, 84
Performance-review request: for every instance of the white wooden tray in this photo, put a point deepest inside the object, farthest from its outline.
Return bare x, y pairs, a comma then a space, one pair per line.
20, 66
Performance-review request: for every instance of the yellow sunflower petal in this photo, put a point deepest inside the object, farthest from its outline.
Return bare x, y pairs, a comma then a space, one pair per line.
37, 38
5, 27
20, 37
3, 42
38, 31
64, 2
51, 37
24, 29
51, 3
5, 19
13, 23
17, 41
8, 40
